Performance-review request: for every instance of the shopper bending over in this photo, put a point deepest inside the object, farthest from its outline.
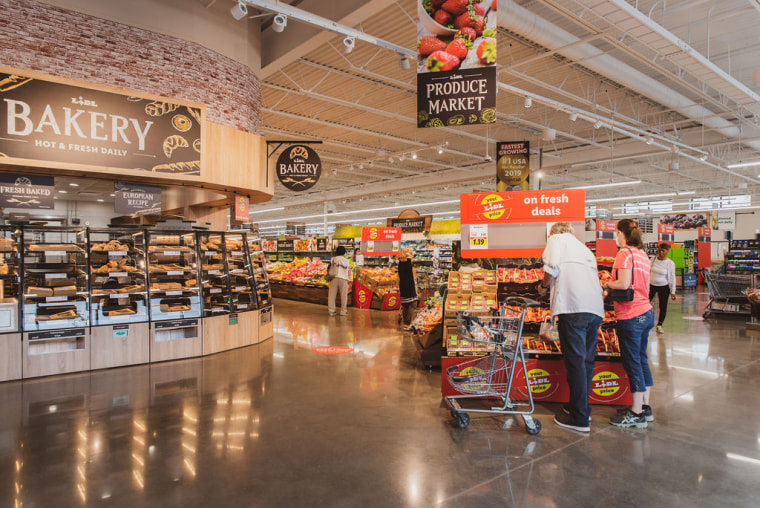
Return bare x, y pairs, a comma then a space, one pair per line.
576, 300
407, 287
662, 282
340, 283
635, 319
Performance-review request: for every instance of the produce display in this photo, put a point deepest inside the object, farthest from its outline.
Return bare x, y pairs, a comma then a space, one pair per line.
520, 275
300, 271
429, 317
382, 276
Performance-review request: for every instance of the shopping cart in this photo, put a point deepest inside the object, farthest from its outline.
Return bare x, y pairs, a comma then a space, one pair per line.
727, 293
493, 376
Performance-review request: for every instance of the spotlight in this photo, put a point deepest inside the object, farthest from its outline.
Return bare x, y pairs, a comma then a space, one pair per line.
573, 116
414, 155
539, 175
403, 61
598, 124
391, 159
239, 11
703, 158
348, 44
528, 101
279, 23
549, 134
402, 157
673, 166
649, 140
440, 150
676, 149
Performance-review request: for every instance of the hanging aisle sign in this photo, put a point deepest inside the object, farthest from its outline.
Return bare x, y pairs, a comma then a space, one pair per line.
30, 192
513, 166
456, 63
380, 241
298, 168
51, 122
516, 224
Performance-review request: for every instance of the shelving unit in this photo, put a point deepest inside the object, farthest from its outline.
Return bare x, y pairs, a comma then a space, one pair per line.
10, 292
175, 302
259, 267
743, 256
119, 298
56, 315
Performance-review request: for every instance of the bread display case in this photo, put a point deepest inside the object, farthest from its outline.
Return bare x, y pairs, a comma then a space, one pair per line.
118, 298
56, 316
174, 295
10, 283
239, 266
215, 281
259, 265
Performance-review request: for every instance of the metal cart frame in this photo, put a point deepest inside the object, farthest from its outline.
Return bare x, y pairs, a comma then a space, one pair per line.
727, 294
492, 376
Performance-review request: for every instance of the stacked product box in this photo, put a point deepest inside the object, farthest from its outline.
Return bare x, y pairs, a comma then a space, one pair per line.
472, 292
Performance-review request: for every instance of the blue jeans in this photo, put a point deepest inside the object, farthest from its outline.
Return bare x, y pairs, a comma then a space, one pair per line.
633, 335
577, 337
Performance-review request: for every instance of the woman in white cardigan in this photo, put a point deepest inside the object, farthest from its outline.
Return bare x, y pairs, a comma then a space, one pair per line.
662, 282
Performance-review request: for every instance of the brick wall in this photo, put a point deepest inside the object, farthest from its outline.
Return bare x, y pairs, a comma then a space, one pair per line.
68, 44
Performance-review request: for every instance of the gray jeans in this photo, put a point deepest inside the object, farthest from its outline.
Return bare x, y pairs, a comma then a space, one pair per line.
337, 285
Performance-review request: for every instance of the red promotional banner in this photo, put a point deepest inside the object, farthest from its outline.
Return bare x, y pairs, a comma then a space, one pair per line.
566, 205
606, 246
241, 208
704, 232
666, 233
380, 241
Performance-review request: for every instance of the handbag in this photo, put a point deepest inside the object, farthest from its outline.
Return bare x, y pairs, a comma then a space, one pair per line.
623, 295
548, 330
332, 272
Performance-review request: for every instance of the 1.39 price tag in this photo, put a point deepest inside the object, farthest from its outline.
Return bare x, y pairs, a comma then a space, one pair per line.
479, 236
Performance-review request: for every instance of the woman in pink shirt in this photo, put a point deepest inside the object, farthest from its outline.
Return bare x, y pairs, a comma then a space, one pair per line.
635, 319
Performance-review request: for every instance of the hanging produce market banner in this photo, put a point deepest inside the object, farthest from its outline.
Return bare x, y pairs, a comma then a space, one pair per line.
412, 224
136, 199
456, 62
513, 166
44, 120
380, 241
516, 224
298, 168
27, 191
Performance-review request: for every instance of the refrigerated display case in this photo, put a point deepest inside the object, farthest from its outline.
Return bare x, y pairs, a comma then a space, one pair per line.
174, 295
118, 298
56, 316
10, 284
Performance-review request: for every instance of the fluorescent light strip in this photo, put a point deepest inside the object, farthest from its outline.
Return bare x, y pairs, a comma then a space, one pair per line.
615, 184
632, 198
418, 205
743, 165
269, 210
743, 458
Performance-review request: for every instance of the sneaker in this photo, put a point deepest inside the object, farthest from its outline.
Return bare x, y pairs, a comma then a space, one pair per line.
629, 419
659, 329
565, 421
344, 313
408, 328
330, 313
645, 410
566, 410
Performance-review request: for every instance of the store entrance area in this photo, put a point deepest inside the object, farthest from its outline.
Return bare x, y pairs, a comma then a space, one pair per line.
337, 411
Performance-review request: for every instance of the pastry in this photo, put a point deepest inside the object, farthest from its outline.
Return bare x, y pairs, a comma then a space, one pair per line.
158, 108
181, 123
197, 145
195, 113
172, 143
13, 81
190, 167
124, 311
37, 291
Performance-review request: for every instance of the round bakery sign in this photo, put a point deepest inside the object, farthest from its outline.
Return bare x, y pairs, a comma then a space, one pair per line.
299, 168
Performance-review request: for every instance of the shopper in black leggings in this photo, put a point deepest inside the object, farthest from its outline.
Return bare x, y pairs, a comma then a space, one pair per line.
662, 282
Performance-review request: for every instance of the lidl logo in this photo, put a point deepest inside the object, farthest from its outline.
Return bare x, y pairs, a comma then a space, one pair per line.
605, 384
373, 233
539, 381
492, 206
362, 296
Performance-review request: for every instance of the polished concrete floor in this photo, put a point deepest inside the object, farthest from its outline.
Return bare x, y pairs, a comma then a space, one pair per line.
280, 425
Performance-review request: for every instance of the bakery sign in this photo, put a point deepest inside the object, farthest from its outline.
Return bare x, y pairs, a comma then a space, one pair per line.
29, 192
136, 199
298, 168
50, 122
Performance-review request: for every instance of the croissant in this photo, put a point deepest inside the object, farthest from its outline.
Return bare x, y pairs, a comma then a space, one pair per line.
172, 143
157, 108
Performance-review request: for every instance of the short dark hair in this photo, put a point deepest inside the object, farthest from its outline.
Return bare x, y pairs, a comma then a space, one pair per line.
340, 251
664, 246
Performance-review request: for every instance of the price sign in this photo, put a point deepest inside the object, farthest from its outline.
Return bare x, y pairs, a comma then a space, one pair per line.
370, 246
479, 236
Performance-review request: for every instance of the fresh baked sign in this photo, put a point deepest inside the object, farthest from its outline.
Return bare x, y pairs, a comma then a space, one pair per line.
299, 168
47, 121
136, 199
28, 192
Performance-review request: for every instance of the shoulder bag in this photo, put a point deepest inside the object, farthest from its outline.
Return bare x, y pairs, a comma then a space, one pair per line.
623, 295
332, 271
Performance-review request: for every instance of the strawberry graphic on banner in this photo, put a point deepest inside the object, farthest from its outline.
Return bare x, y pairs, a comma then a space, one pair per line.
456, 62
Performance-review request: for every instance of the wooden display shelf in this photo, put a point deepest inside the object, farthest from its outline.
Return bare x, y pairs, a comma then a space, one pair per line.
117, 345
231, 331
55, 352
10, 356
175, 339
266, 324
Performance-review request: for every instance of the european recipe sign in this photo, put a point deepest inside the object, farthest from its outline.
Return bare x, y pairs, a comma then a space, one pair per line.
44, 120
456, 62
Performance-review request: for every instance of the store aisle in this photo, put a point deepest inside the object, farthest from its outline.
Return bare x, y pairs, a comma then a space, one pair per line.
279, 424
